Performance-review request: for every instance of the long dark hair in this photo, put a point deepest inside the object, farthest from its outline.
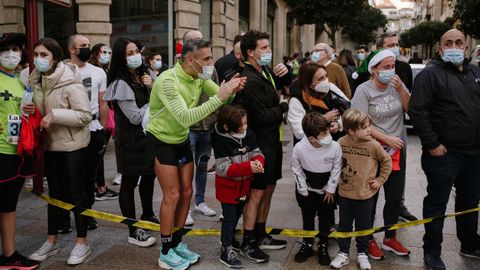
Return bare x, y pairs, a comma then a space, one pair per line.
345, 58
94, 55
306, 73
53, 46
118, 64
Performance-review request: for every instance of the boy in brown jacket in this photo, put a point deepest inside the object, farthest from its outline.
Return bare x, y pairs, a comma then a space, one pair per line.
362, 158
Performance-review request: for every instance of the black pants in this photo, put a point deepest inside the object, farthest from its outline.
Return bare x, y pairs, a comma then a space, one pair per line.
231, 215
311, 206
95, 152
100, 173
393, 189
350, 211
442, 172
65, 175
127, 196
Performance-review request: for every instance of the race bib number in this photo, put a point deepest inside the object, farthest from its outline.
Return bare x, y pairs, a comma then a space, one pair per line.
14, 123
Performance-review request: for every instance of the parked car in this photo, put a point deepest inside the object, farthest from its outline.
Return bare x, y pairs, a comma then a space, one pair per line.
475, 55
416, 68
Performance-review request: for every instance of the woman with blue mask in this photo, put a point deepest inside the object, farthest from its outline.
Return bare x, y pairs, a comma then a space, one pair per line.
155, 65
385, 98
129, 94
101, 56
62, 100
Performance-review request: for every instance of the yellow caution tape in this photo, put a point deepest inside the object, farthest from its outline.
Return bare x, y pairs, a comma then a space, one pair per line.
216, 232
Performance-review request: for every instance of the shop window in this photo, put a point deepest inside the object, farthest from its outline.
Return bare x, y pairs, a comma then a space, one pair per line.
143, 20
244, 15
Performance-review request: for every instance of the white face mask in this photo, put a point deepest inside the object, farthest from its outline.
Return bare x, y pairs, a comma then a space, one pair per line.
104, 58
239, 135
10, 59
207, 71
322, 87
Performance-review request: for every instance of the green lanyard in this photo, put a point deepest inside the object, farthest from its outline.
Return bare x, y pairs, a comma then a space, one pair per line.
264, 74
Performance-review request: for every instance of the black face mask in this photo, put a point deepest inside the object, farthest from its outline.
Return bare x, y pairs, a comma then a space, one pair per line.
84, 54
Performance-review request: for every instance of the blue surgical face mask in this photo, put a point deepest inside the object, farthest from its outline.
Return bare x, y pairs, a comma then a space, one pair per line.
134, 61
104, 58
42, 64
207, 71
265, 59
395, 51
158, 64
454, 56
361, 56
315, 57
385, 75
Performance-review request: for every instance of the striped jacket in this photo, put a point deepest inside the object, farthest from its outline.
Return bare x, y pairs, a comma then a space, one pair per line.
233, 173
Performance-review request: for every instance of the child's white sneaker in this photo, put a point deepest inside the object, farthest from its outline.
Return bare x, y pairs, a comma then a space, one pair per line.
340, 260
362, 261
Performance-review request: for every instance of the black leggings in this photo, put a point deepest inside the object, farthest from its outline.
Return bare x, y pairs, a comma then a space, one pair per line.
127, 196
65, 176
393, 190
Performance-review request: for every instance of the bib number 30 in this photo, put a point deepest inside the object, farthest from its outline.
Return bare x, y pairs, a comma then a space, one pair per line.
14, 124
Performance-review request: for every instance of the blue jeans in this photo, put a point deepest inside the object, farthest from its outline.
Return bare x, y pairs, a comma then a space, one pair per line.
442, 172
202, 148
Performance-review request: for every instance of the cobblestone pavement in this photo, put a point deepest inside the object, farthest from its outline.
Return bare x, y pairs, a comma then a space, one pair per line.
111, 250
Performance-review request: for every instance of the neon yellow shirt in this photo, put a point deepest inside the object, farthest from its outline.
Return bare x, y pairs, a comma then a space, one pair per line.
11, 93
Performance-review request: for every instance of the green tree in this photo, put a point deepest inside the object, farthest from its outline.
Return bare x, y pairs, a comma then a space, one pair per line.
426, 33
333, 14
362, 27
468, 12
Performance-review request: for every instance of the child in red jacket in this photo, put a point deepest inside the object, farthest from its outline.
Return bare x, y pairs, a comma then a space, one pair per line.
237, 158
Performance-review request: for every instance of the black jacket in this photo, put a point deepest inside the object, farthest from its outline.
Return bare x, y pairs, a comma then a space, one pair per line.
262, 102
445, 107
223, 65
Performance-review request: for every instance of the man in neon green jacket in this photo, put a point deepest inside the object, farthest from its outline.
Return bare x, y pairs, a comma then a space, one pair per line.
173, 109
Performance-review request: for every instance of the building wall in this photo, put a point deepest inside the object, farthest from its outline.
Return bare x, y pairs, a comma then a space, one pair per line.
11, 16
94, 23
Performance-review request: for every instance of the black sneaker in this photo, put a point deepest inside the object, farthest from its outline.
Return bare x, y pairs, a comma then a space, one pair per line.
17, 261
406, 215
152, 219
323, 256
268, 242
91, 223
236, 244
470, 254
434, 262
229, 257
253, 253
107, 195
304, 253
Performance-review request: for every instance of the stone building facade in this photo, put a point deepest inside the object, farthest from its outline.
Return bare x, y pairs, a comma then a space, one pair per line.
162, 23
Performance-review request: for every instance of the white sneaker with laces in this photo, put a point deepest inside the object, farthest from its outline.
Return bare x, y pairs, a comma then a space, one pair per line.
79, 254
189, 221
48, 249
205, 210
362, 261
118, 179
340, 260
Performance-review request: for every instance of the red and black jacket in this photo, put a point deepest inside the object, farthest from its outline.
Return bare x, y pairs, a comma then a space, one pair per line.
232, 159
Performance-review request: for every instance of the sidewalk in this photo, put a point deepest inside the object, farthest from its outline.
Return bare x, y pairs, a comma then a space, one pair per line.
111, 250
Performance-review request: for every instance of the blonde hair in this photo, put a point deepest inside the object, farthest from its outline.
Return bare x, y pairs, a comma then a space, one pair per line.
354, 119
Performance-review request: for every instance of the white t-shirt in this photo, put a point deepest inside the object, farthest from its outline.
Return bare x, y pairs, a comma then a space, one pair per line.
95, 81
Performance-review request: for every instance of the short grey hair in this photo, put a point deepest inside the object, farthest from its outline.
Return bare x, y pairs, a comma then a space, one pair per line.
326, 47
382, 37
192, 46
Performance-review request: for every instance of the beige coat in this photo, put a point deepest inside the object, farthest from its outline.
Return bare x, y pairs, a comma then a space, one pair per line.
63, 95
